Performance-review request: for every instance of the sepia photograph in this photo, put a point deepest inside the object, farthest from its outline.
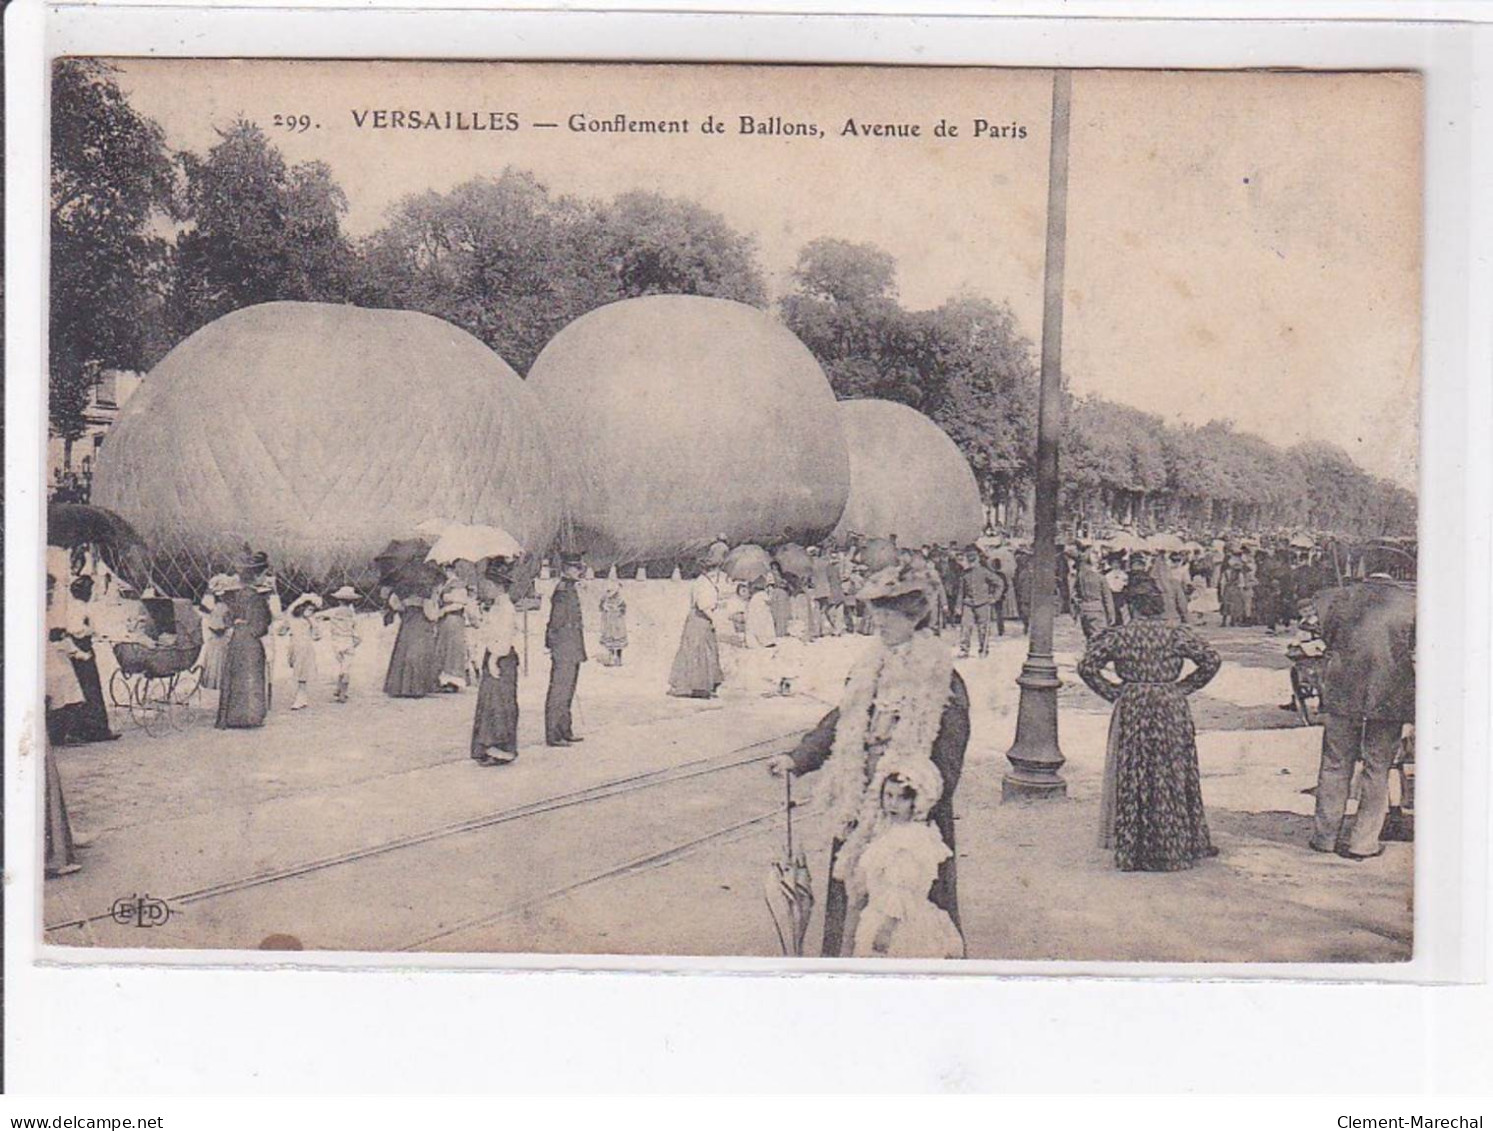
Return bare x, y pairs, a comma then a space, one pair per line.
884, 514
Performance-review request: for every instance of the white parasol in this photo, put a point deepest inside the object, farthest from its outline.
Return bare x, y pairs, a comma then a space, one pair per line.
473, 544
1165, 542
1125, 540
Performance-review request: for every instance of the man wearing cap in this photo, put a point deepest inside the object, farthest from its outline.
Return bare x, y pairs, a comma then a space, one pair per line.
980, 590
1096, 601
564, 637
1368, 697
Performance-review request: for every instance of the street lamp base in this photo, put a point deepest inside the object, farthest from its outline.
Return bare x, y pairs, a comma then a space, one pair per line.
1023, 787
1034, 756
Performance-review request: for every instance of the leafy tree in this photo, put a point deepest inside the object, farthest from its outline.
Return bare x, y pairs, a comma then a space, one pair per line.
855, 275
497, 256
656, 245
988, 400
504, 259
112, 181
260, 231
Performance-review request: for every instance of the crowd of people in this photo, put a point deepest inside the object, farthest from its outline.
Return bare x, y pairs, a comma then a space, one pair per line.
891, 753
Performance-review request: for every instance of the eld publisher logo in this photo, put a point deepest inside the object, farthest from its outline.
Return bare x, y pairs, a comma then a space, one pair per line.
140, 911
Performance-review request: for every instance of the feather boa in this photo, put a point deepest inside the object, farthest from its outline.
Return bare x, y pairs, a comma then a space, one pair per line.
911, 682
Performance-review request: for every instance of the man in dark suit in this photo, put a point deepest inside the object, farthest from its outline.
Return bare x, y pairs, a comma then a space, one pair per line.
565, 639
1368, 695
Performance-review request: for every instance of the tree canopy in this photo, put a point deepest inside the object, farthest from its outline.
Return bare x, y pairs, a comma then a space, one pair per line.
513, 263
259, 230
508, 261
112, 179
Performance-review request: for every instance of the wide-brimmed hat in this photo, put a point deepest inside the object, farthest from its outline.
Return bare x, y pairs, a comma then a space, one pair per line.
572, 561
220, 582
898, 580
254, 561
346, 593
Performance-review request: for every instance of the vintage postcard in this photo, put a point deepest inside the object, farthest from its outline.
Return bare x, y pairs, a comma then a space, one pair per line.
896, 513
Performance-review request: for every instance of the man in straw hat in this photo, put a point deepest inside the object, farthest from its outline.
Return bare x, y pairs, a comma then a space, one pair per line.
564, 638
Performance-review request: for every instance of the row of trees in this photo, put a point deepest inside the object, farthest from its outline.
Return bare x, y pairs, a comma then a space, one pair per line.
149, 245
1124, 465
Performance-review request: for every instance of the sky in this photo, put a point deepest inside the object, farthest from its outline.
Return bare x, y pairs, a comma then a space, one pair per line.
1241, 245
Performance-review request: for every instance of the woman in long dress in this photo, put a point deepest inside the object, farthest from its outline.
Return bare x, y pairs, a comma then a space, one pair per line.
63, 693
778, 600
451, 634
697, 665
87, 721
1151, 809
412, 665
905, 711
1231, 596
243, 700
495, 726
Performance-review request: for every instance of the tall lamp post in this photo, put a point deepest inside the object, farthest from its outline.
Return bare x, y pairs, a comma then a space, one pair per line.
1034, 756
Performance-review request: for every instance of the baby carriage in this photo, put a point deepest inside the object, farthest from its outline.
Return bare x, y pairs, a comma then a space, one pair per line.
158, 681
1307, 657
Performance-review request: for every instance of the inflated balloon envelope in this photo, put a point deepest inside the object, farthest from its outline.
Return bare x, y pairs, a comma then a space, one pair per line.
318, 433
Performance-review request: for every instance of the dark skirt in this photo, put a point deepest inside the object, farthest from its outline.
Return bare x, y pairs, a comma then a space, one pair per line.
243, 700
1158, 816
778, 602
60, 851
451, 647
697, 664
496, 722
412, 666
88, 721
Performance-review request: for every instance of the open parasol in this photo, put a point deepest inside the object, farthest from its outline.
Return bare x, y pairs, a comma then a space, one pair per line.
473, 544
1165, 542
400, 551
70, 525
794, 560
748, 562
788, 888
412, 579
1125, 540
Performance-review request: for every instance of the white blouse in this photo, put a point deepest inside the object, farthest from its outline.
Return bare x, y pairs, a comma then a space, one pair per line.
704, 595
497, 633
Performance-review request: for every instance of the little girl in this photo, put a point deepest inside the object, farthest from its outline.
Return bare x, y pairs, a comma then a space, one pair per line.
613, 624
895, 871
304, 633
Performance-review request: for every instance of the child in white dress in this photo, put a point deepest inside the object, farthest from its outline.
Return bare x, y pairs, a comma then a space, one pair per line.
303, 633
897, 868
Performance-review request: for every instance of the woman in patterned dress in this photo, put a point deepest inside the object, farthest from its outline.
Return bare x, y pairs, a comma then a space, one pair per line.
1151, 812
